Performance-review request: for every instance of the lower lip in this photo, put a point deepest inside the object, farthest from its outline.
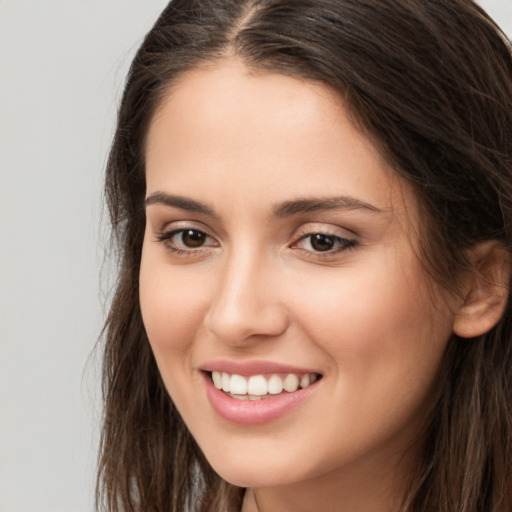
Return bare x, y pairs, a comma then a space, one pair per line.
254, 412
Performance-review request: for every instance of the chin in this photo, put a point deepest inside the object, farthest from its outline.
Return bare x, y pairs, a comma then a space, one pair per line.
253, 477
258, 473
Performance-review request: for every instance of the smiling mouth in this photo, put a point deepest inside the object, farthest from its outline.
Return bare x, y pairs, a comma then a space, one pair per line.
258, 387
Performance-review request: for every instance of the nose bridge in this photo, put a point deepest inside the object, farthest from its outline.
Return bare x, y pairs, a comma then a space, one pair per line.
246, 302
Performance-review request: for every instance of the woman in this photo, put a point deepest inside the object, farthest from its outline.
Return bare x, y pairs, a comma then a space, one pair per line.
312, 203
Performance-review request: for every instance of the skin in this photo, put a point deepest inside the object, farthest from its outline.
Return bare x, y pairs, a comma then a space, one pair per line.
363, 314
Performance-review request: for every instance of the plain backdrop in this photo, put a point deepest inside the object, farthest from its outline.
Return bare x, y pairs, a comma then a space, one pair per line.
62, 67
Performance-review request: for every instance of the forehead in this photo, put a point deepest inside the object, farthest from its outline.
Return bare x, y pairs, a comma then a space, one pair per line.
232, 131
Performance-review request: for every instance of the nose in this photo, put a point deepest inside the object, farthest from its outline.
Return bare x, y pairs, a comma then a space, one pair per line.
246, 304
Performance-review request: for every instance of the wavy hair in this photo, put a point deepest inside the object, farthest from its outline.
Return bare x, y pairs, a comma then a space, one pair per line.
430, 84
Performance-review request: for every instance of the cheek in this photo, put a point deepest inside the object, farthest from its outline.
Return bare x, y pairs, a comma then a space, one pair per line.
380, 328
172, 305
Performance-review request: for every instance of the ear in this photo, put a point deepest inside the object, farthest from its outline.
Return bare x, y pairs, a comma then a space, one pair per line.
486, 290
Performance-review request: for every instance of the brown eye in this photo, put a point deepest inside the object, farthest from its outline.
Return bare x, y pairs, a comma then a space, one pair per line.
187, 240
318, 243
321, 243
193, 238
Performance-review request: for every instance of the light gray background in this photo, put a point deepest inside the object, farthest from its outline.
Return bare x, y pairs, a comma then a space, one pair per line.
62, 66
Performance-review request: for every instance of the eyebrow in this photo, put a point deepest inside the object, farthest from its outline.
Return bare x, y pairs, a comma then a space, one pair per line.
183, 203
281, 210
314, 204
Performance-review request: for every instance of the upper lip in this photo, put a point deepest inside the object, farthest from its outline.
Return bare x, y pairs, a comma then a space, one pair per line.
254, 367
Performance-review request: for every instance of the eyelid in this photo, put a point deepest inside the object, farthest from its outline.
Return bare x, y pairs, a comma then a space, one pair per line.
312, 228
168, 234
181, 225
172, 229
344, 240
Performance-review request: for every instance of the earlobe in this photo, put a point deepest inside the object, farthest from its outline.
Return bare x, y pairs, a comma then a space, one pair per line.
486, 290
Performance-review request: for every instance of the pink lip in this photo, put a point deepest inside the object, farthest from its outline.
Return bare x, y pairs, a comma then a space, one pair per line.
257, 412
248, 368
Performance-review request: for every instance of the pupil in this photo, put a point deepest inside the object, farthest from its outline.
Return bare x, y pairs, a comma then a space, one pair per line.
321, 242
193, 238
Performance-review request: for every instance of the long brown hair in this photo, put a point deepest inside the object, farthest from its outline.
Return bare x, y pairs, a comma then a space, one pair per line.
430, 83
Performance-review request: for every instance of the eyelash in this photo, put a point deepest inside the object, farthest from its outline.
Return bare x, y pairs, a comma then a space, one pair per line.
166, 237
341, 243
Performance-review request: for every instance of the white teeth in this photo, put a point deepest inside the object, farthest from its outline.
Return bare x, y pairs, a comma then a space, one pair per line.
238, 385
275, 385
217, 379
305, 381
225, 382
257, 386
291, 383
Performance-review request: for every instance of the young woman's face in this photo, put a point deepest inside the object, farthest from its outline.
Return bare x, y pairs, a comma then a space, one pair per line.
277, 253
